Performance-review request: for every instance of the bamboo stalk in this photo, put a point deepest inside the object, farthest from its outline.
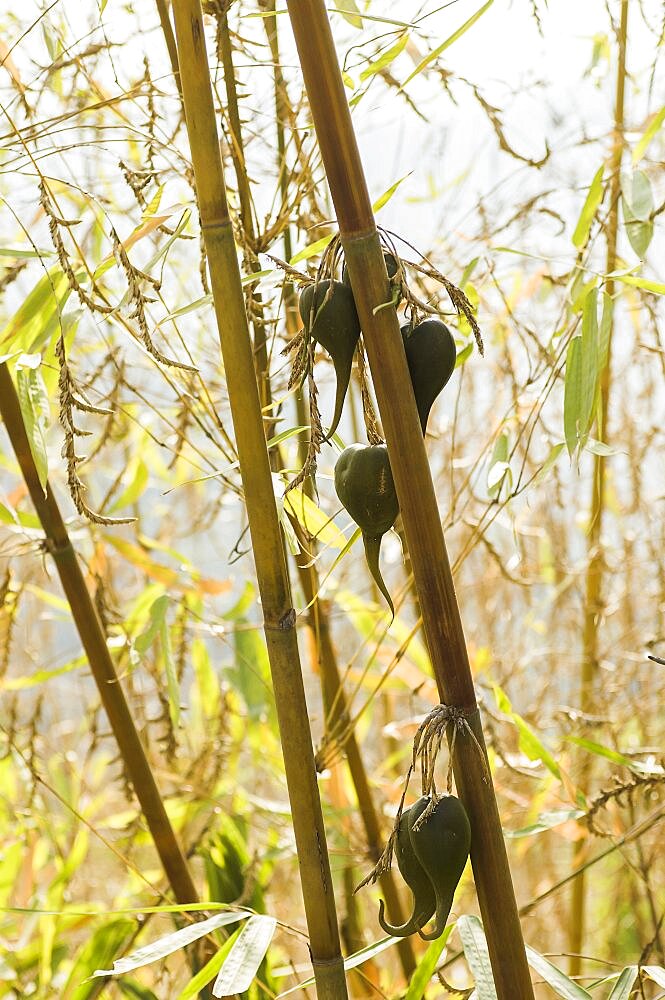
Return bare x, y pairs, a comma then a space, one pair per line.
415, 491
278, 613
593, 605
92, 637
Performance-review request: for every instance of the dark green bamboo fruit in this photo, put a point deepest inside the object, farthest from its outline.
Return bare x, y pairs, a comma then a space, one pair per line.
364, 484
442, 846
415, 876
335, 325
430, 354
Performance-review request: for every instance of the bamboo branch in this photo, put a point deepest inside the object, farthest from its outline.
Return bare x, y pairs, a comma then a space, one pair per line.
415, 491
595, 568
276, 604
92, 637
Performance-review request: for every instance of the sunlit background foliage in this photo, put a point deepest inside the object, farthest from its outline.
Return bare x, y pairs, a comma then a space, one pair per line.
489, 153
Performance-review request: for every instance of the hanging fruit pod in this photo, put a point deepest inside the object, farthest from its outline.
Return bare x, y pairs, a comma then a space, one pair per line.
415, 876
442, 846
364, 485
329, 313
430, 354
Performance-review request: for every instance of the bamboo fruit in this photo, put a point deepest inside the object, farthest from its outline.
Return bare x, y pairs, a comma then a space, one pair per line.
397, 407
278, 613
92, 637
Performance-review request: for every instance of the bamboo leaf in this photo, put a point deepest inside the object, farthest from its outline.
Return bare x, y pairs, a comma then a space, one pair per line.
426, 966
385, 59
245, 957
589, 209
171, 674
312, 250
545, 821
605, 330
313, 519
387, 195
435, 53
549, 462
649, 133
349, 11
475, 951
352, 962
33, 400
655, 972
624, 984
166, 945
560, 983
209, 970
572, 393
589, 373
637, 203
649, 286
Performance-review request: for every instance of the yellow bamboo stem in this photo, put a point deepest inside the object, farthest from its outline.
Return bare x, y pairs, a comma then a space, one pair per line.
593, 604
92, 637
415, 491
279, 617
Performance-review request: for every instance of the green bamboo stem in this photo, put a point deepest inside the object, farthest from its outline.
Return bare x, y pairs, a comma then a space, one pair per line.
167, 30
415, 491
336, 709
261, 362
278, 613
593, 603
92, 637
329, 672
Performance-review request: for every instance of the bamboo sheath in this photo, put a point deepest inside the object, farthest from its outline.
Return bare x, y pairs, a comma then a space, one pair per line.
415, 491
278, 613
92, 637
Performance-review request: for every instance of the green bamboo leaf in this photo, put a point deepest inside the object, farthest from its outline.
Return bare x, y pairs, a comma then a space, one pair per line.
386, 58
545, 821
605, 330
499, 466
637, 203
312, 250
313, 519
158, 608
33, 400
130, 988
589, 371
652, 129
617, 758
426, 966
655, 972
463, 355
549, 462
560, 983
173, 686
589, 209
534, 748
349, 11
649, 286
624, 984
166, 945
352, 962
98, 949
387, 195
38, 315
245, 957
209, 970
475, 951
435, 53
137, 477
572, 393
